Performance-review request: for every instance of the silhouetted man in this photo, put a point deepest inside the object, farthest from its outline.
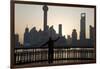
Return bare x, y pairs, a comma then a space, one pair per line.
50, 43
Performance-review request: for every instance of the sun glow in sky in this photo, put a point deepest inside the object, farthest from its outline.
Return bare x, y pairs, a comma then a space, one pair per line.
69, 17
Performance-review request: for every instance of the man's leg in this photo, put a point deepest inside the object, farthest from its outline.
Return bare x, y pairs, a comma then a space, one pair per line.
49, 56
52, 56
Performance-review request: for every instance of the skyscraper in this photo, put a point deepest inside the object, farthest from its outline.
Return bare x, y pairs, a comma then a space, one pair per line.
69, 40
74, 37
83, 26
17, 43
45, 9
26, 37
74, 34
60, 29
92, 34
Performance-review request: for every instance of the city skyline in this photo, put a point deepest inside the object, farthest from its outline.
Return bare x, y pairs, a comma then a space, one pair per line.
70, 19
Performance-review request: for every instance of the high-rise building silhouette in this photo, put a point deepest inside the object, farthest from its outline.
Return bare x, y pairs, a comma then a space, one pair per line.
60, 29
92, 34
74, 37
83, 26
74, 34
45, 9
26, 37
17, 43
69, 40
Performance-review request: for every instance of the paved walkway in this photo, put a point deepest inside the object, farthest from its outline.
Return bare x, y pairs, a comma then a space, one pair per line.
60, 62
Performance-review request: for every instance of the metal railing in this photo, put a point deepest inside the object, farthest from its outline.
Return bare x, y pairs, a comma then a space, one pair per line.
38, 55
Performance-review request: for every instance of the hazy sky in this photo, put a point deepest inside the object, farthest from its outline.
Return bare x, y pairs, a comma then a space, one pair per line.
69, 17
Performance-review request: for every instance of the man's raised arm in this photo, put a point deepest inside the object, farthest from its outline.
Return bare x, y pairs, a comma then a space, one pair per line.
56, 39
44, 44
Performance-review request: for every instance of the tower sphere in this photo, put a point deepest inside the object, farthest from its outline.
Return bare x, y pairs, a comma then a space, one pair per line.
45, 8
83, 14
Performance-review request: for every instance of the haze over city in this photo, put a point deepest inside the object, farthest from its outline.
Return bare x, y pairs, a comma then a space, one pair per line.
69, 17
